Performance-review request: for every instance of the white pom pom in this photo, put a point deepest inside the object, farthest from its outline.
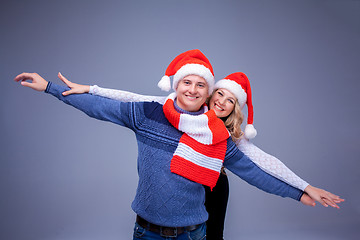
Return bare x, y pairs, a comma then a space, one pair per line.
250, 132
164, 83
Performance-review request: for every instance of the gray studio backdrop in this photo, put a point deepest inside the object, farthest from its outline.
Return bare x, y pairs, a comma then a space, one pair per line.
64, 175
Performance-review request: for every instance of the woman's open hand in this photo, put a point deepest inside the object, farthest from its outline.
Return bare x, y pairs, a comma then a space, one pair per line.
324, 197
75, 88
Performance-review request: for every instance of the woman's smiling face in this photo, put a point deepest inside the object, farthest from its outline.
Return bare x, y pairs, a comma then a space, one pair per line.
222, 102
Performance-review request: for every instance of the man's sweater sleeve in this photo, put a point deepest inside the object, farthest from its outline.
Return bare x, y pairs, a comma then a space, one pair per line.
242, 166
94, 106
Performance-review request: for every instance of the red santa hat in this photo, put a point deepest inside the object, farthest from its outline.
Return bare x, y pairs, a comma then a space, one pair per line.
188, 63
239, 85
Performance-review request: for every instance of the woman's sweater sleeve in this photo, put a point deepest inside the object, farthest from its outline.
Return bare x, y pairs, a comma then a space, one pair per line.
270, 164
124, 96
239, 164
95, 106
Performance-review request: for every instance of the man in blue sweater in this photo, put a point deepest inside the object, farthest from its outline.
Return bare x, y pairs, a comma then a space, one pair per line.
175, 158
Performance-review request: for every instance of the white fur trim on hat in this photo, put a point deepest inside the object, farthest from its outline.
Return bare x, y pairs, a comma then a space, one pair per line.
196, 69
234, 88
164, 83
250, 132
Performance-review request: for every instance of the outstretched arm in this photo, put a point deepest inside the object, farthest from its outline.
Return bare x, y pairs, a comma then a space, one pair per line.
240, 164
94, 106
270, 164
36, 82
276, 168
123, 96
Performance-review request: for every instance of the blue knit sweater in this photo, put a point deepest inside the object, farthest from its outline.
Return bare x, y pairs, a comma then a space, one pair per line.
162, 197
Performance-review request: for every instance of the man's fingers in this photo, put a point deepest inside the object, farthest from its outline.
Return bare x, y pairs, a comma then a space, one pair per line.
26, 84
23, 76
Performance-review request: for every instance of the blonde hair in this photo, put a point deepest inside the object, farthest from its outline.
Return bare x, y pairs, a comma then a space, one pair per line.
233, 121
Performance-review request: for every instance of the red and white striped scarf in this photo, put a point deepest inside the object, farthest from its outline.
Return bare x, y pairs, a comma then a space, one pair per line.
201, 150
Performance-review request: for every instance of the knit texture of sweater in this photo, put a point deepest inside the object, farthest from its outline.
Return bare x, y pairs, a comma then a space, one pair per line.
162, 197
265, 161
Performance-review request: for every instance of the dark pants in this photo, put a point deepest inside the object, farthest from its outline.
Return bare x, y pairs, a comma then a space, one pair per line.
216, 203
